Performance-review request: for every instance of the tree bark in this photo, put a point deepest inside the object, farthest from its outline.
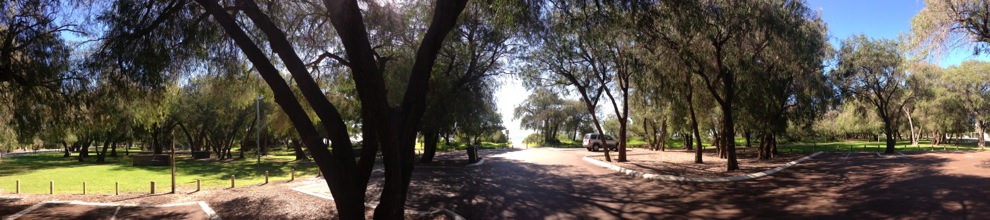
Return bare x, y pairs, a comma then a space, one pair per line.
650, 134
663, 136
889, 133
694, 119
748, 133
980, 130
430, 141
67, 153
914, 135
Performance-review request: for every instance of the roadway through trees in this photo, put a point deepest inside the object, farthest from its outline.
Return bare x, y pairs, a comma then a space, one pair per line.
557, 184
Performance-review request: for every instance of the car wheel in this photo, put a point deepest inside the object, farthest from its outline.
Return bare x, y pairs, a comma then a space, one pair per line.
594, 148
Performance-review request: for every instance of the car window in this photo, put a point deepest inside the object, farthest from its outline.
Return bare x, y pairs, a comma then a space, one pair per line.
608, 137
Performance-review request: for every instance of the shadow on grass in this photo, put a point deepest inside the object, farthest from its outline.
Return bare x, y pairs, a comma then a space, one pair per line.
28, 163
223, 169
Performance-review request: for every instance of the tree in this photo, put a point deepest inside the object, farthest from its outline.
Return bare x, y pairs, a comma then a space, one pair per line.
544, 112
871, 71
390, 127
944, 25
717, 41
588, 46
38, 81
461, 98
784, 77
970, 83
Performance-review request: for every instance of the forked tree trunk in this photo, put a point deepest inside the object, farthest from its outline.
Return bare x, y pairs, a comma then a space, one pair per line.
67, 153
300, 154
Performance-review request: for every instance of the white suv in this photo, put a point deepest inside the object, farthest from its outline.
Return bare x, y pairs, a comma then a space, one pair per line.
593, 143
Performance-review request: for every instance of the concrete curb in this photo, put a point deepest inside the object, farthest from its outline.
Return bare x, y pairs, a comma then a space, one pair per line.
659, 177
480, 162
206, 208
892, 156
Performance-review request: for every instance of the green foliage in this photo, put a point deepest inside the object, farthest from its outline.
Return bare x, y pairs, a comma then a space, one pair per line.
871, 72
548, 114
944, 25
533, 138
498, 137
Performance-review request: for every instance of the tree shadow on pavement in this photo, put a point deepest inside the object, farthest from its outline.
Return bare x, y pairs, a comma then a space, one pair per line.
829, 186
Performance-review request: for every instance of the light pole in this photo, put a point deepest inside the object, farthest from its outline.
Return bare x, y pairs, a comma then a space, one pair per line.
257, 148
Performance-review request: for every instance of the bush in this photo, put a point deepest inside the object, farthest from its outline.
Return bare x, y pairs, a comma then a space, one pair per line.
533, 138
498, 137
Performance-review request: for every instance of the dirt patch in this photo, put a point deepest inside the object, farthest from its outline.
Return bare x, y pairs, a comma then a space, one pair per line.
681, 163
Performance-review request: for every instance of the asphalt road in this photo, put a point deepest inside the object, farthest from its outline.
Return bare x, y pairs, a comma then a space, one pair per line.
547, 183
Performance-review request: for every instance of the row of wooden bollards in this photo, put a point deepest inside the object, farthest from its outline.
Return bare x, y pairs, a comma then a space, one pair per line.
116, 191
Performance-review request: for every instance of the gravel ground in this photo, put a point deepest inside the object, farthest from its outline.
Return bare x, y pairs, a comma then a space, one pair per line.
681, 163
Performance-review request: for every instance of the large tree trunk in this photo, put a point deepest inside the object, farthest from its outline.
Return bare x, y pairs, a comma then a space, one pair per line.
748, 133
113, 150
728, 123
193, 147
67, 152
84, 152
300, 154
346, 179
663, 136
646, 135
980, 130
101, 157
888, 131
430, 141
694, 120
768, 146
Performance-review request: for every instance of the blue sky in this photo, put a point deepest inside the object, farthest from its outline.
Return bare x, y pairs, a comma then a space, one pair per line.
876, 19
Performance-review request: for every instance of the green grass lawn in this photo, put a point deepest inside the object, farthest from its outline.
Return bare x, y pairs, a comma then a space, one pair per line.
873, 146
845, 146
455, 146
35, 172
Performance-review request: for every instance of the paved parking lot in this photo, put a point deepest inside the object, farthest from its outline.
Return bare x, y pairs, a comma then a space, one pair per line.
84, 210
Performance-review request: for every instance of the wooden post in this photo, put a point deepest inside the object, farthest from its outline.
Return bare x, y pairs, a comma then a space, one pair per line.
51, 187
197, 185
231, 181
18, 186
116, 188
173, 168
292, 173
84, 188
152, 187
266, 177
